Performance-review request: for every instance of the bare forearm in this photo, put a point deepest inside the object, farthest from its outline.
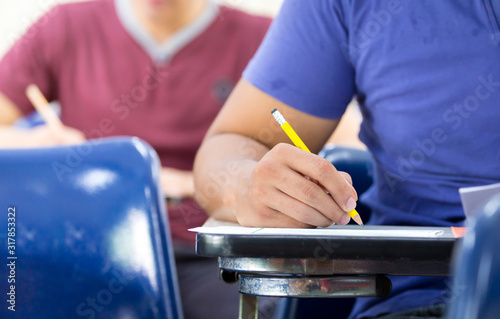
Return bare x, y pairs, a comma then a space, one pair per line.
219, 174
12, 138
40, 136
9, 112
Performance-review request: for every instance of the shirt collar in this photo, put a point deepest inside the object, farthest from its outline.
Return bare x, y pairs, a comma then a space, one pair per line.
162, 53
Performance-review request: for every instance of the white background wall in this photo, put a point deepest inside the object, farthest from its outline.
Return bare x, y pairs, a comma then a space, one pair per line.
17, 16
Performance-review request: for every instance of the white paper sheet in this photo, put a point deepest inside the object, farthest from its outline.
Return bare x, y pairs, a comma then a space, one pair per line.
474, 198
356, 231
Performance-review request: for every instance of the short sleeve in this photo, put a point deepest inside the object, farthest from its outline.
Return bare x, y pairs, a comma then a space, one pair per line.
28, 62
301, 61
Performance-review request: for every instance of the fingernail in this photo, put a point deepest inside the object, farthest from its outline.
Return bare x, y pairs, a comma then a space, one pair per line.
354, 192
351, 204
345, 219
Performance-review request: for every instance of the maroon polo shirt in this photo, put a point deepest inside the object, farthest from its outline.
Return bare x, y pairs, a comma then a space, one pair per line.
91, 59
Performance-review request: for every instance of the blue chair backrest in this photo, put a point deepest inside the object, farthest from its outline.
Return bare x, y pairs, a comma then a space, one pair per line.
476, 289
84, 233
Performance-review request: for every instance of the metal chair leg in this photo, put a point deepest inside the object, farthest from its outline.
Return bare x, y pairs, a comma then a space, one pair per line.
249, 307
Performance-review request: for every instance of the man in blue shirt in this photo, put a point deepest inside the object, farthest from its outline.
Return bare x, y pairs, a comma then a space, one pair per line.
427, 77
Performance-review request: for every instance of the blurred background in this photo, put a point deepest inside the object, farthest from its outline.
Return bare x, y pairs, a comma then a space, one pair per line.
17, 16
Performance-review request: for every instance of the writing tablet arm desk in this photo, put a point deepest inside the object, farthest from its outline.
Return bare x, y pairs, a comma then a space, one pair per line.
326, 262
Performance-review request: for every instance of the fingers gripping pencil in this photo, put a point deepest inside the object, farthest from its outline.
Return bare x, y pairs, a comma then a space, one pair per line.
300, 144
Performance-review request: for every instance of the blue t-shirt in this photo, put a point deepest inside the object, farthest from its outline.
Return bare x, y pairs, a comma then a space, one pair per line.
427, 77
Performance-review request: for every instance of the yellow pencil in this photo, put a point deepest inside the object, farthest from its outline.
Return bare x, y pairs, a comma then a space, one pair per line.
298, 142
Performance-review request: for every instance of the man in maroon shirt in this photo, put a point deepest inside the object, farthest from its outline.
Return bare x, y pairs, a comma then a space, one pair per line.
156, 69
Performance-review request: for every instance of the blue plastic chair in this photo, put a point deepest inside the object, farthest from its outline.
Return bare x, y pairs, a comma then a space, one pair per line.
88, 235
476, 289
358, 163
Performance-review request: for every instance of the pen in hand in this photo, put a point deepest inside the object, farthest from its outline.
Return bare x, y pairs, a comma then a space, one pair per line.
300, 144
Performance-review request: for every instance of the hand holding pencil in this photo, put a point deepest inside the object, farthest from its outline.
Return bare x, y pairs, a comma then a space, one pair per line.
54, 132
300, 144
267, 182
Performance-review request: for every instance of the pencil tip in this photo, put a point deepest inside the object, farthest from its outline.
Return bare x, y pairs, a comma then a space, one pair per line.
358, 220
274, 110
